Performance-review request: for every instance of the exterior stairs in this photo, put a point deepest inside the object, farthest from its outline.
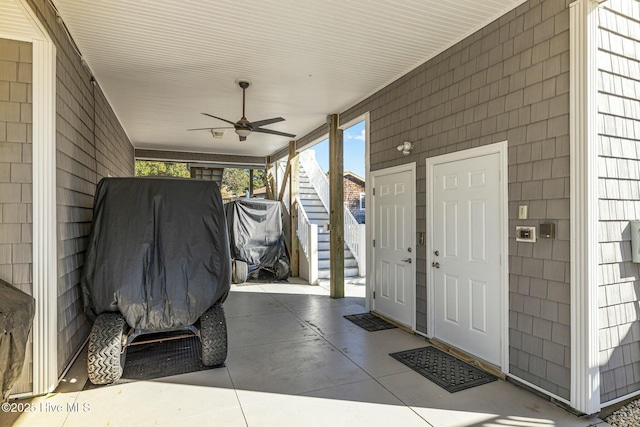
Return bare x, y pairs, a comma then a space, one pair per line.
317, 214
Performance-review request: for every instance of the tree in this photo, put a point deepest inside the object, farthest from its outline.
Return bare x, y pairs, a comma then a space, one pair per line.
258, 178
148, 168
237, 180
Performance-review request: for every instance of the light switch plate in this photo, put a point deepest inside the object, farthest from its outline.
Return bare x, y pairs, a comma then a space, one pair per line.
522, 211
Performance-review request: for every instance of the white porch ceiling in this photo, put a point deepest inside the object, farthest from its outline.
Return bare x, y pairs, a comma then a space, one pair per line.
162, 63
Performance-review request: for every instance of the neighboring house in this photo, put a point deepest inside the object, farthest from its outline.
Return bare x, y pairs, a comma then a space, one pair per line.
260, 193
561, 132
354, 195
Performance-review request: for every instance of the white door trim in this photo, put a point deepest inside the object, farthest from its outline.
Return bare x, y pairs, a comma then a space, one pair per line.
501, 149
585, 363
371, 218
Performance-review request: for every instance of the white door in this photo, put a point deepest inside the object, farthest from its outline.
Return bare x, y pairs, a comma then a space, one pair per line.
466, 255
394, 251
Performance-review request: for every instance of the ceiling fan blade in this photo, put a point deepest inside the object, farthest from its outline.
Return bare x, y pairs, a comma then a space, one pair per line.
274, 132
212, 128
265, 122
220, 118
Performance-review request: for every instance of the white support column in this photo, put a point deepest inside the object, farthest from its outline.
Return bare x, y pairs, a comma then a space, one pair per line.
44, 222
45, 271
585, 370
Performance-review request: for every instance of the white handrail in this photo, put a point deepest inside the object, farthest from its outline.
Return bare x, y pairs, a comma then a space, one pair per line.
316, 176
308, 238
303, 229
352, 233
321, 183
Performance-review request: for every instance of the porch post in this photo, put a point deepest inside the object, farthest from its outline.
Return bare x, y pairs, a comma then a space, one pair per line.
268, 179
44, 223
585, 367
336, 207
294, 193
250, 182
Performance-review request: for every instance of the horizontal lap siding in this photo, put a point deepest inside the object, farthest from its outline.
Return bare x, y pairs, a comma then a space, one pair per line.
619, 197
16, 177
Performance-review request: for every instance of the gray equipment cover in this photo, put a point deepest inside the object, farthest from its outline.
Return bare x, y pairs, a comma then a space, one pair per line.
16, 314
158, 251
255, 232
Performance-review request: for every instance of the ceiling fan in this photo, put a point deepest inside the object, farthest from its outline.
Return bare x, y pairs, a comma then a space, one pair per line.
244, 127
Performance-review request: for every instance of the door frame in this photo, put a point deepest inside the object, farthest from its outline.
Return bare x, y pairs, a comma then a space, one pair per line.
411, 168
500, 148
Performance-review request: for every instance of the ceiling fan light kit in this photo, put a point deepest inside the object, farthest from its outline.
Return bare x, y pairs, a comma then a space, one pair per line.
243, 132
244, 127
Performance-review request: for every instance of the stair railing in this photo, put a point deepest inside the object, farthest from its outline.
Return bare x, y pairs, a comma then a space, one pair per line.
316, 176
320, 182
308, 238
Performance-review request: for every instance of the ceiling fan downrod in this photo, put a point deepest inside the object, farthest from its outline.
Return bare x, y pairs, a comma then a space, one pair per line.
244, 85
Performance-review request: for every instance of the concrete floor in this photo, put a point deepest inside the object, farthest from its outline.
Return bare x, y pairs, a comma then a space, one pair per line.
295, 361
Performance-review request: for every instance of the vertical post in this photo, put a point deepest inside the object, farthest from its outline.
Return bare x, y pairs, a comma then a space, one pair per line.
45, 239
313, 254
294, 192
268, 179
585, 362
362, 249
250, 182
336, 214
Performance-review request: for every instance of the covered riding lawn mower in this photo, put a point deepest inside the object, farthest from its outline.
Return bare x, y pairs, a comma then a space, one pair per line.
157, 262
256, 238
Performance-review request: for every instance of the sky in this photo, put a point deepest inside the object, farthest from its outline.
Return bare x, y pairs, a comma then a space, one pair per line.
353, 139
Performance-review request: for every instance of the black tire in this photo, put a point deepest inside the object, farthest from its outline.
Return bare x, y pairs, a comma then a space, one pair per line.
239, 271
281, 270
213, 336
105, 359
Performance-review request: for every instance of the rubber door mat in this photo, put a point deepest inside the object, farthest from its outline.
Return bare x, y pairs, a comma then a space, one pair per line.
160, 359
369, 322
443, 369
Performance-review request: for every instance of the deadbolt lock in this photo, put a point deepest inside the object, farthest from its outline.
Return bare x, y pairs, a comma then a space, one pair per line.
409, 250
436, 253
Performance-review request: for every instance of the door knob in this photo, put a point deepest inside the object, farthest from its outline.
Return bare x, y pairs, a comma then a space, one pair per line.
435, 264
407, 260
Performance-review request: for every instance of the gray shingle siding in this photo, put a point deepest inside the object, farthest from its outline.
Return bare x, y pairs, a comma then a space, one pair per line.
15, 176
508, 81
619, 199
90, 144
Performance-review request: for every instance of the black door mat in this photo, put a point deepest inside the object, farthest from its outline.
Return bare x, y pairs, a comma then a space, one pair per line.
443, 369
369, 322
160, 359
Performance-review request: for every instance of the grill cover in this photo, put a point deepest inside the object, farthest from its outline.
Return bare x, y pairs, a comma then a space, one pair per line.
16, 315
255, 232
